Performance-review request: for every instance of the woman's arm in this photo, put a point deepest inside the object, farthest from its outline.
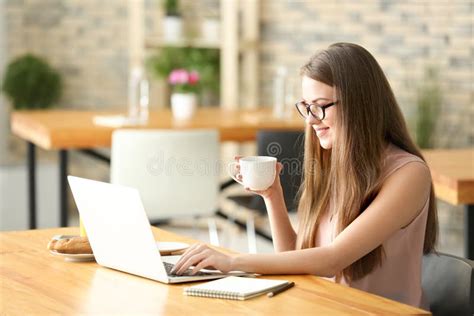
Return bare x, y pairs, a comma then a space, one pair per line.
283, 234
399, 201
307, 261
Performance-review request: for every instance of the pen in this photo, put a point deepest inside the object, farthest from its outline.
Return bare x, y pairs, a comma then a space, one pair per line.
281, 289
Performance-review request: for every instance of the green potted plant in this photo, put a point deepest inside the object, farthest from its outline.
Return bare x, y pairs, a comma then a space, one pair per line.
429, 99
31, 83
172, 22
204, 61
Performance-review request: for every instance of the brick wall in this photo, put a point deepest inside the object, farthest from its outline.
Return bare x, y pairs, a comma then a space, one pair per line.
404, 36
86, 40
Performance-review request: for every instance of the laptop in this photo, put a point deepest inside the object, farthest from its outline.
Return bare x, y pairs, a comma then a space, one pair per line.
120, 234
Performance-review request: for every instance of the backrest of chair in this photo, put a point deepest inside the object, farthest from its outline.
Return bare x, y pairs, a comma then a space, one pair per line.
287, 147
176, 172
448, 284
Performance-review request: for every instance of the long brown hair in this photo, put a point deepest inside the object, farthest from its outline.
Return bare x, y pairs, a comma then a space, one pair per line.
345, 179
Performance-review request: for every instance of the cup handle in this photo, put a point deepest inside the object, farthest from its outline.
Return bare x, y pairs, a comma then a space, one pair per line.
230, 171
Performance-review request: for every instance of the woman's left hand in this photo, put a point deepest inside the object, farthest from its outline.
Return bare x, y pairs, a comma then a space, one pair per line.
201, 256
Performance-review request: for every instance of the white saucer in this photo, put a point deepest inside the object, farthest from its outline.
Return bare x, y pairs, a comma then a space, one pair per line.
167, 247
74, 257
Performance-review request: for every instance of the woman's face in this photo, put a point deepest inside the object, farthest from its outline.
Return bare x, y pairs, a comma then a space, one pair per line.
321, 94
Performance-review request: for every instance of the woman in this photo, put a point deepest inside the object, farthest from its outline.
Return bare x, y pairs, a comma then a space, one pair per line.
366, 206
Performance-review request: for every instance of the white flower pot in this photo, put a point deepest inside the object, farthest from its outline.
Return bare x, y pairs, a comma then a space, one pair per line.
210, 30
183, 105
173, 28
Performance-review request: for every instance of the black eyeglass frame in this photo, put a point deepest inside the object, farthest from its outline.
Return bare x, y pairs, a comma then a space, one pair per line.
308, 109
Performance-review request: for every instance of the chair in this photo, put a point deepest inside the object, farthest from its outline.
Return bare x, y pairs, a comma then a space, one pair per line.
287, 147
448, 284
176, 172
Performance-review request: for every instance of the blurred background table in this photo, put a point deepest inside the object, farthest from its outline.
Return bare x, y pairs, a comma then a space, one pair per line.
65, 130
452, 171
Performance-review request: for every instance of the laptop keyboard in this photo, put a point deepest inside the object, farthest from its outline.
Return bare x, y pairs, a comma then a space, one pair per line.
169, 267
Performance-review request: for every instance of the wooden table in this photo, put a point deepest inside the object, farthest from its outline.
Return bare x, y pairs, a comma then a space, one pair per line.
64, 130
452, 171
33, 282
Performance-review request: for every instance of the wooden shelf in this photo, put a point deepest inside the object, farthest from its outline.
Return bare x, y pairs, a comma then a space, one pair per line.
238, 49
159, 42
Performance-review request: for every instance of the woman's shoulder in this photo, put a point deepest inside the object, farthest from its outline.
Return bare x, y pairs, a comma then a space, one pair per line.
395, 158
408, 177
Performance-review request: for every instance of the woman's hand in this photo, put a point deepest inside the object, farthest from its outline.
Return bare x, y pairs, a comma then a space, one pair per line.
273, 190
201, 256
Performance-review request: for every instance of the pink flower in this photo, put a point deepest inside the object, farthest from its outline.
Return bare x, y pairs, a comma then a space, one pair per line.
184, 81
182, 76
178, 76
193, 77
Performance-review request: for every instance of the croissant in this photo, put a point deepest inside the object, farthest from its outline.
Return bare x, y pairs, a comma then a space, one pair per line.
73, 245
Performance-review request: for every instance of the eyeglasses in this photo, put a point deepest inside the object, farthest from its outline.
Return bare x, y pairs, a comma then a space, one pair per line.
316, 110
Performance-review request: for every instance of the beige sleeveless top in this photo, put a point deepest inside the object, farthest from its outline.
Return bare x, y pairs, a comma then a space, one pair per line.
399, 276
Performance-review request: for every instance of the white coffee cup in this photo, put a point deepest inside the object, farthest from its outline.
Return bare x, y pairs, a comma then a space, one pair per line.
258, 172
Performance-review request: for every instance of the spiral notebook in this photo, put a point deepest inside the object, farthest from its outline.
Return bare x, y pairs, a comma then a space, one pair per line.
234, 288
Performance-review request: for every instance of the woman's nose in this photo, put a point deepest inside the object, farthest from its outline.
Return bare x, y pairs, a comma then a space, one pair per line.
311, 119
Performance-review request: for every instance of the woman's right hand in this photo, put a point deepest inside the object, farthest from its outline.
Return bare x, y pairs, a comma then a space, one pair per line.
272, 190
